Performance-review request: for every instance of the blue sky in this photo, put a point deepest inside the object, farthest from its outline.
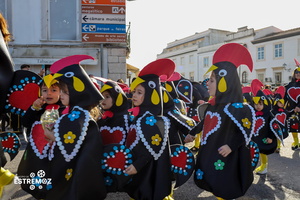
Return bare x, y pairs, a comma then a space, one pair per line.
154, 23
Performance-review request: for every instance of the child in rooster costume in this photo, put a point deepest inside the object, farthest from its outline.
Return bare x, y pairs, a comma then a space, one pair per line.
293, 105
223, 163
35, 157
148, 135
265, 127
75, 159
280, 115
114, 123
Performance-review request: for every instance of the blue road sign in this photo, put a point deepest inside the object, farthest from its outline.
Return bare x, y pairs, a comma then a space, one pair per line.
103, 28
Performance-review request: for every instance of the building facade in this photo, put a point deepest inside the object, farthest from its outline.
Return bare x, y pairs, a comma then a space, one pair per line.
273, 52
46, 31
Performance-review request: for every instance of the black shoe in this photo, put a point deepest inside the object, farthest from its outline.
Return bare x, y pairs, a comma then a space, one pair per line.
295, 147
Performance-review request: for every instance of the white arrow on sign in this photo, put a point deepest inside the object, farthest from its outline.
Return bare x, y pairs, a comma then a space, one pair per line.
85, 37
122, 10
85, 27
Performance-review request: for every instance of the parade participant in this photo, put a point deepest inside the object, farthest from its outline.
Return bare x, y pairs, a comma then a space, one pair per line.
293, 105
35, 157
264, 136
148, 135
77, 141
7, 187
114, 123
223, 163
280, 115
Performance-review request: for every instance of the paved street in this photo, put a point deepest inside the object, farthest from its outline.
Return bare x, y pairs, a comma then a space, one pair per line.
281, 182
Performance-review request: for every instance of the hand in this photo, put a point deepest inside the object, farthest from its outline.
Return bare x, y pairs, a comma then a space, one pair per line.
130, 170
224, 150
49, 135
189, 138
297, 109
39, 102
269, 140
42, 72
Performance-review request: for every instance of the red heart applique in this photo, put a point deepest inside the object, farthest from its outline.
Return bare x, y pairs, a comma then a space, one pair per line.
281, 118
24, 99
131, 137
9, 143
211, 121
180, 160
295, 126
111, 137
294, 93
118, 161
258, 125
38, 137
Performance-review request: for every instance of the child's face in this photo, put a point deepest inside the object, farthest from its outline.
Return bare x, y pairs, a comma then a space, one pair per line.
279, 104
212, 85
297, 74
64, 96
259, 106
138, 95
107, 102
50, 95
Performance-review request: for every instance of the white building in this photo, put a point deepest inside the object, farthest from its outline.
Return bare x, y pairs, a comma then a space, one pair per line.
273, 52
45, 31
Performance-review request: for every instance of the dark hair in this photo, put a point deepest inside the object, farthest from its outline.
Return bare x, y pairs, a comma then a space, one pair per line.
25, 66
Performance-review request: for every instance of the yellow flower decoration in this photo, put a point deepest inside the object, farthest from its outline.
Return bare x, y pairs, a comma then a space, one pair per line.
156, 140
69, 137
69, 174
246, 123
183, 111
190, 122
186, 93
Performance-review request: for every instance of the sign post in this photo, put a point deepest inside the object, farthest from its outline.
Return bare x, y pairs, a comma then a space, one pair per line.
103, 21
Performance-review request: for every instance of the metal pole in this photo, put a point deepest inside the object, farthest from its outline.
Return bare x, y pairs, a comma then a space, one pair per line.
101, 61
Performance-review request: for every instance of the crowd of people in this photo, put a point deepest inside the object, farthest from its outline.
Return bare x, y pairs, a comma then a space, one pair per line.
91, 136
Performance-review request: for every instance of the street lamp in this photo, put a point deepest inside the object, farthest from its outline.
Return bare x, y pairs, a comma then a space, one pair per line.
285, 68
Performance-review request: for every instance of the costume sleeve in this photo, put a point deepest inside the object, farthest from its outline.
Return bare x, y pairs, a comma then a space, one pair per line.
197, 129
31, 116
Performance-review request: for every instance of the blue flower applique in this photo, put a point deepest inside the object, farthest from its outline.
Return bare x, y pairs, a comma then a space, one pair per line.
150, 120
199, 174
186, 87
238, 105
74, 115
108, 181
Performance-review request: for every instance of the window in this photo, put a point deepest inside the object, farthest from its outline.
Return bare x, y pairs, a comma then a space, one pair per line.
261, 77
192, 76
63, 20
278, 50
191, 59
278, 78
182, 61
260, 53
205, 61
244, 77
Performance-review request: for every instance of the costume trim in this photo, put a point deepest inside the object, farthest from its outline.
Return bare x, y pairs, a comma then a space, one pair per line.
144, 140
292, 94
81, 137
216, 126
259, 124
33, 145
181, 122
240, 126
